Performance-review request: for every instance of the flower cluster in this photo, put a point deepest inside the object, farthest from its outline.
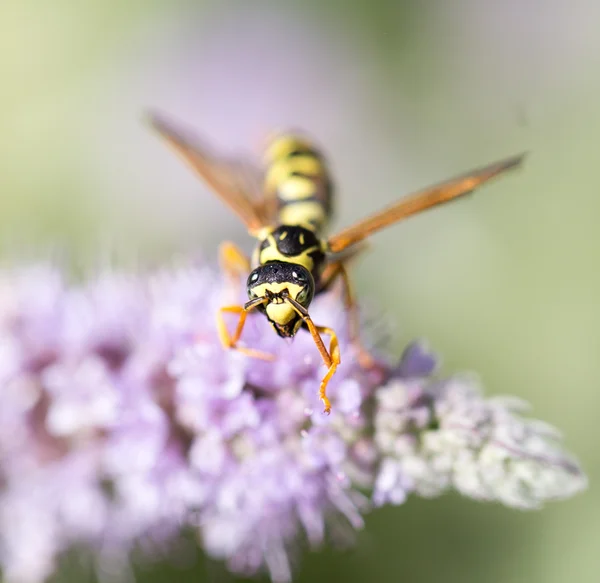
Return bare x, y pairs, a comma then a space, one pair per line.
123, 423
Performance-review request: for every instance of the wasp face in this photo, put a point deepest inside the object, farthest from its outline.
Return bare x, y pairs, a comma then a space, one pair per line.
276, 281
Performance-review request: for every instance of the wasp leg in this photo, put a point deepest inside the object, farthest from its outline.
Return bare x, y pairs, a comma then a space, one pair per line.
233, 260
331, 359
332, 272
334, 361
235, 264
229, 341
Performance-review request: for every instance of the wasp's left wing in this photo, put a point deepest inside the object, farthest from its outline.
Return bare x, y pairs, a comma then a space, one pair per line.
238, 183
419, 201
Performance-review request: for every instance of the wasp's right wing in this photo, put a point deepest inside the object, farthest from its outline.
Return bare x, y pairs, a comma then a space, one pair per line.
237, 183
418, 202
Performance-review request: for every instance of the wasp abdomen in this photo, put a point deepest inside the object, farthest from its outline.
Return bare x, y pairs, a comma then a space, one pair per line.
298, 177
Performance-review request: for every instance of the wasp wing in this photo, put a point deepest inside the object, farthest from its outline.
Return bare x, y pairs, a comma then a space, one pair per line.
419, 201
238, 183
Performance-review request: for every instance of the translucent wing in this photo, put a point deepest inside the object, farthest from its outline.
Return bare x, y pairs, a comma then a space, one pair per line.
238, 183
420, 201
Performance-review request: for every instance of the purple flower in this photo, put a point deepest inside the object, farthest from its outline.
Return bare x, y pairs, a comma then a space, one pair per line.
123, 422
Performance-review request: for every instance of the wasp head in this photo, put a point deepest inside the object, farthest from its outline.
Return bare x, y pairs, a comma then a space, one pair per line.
278, 282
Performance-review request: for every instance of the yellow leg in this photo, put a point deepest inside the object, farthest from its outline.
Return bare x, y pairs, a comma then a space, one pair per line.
332, 272
331, 359
229, 341
233, 262
334, 361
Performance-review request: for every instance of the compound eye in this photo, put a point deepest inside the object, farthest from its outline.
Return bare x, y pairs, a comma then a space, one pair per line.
252, 278
251, 283
299, 277
301, 297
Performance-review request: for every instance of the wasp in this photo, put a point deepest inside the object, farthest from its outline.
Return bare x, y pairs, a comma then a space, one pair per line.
286, 206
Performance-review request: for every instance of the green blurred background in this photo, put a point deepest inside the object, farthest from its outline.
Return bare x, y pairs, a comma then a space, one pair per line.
401, 94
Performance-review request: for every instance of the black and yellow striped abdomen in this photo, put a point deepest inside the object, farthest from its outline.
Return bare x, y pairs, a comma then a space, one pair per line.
297, 176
